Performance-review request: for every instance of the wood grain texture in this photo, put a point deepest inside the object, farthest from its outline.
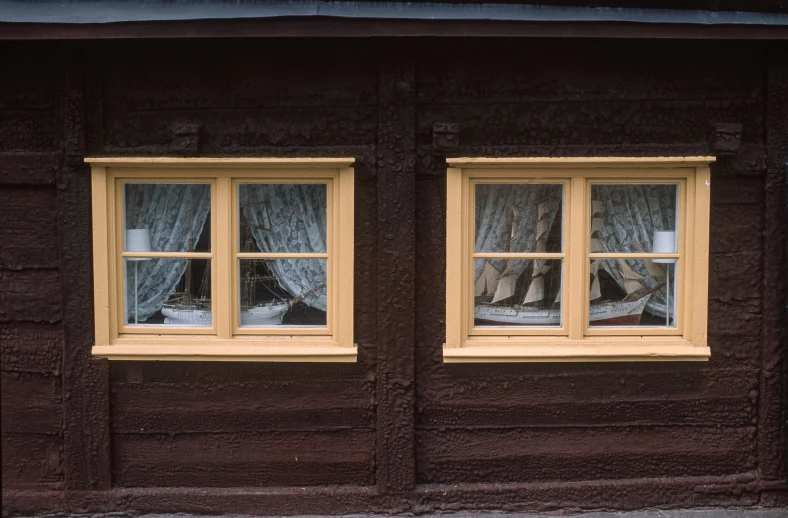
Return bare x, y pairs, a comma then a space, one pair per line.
570, 454
243, 460
85, 379
399, 411
31, 347
396, 277
28, 231
31, 403
772, 430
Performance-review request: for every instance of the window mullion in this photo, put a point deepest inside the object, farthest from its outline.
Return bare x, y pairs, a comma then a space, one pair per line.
224, 255
576, 207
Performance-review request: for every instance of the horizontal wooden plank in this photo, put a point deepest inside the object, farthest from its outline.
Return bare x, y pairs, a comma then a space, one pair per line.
736, 190
246, 80
735, 228
30, 296
27, 130
735, 276
241, 407
735, 317
238, 129
582, 454
734, 351
703, 397
31, 403
28, 168
31, 459
615, 122
31, 347
30, 237
463, 72
244, 460
725, 412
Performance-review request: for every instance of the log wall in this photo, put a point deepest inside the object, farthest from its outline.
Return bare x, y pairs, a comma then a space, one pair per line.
398, 430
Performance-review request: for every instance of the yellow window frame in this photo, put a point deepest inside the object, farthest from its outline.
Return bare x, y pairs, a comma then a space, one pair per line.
225, 340
574, 340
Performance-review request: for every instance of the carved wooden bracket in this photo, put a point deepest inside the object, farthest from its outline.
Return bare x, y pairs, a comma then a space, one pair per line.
727, 138
185, 138
445, 135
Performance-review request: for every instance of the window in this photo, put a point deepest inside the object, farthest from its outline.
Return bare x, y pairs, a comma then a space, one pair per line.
223, 259
577, 259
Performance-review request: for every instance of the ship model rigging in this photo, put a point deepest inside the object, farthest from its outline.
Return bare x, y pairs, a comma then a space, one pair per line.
495, 290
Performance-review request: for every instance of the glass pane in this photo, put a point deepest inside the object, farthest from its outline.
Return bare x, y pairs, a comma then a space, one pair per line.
282, 292
518, 217
167, 217
287, 217
168, 292
632, 292
633, 218
517, 292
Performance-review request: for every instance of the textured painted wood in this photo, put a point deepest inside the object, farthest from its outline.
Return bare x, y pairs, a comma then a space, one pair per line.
772, 430
31, 403
287, 458
30, 296
396, 278
31, 347
510, 98
569, 454
27, 168
29, 232
260, 406
85, 379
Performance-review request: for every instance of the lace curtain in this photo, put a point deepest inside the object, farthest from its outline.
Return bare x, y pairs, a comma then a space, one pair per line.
166, 211
494, 216
632, 212
295, 215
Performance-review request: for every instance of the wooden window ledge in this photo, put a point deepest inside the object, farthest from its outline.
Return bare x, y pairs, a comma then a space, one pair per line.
678, 350
228, 353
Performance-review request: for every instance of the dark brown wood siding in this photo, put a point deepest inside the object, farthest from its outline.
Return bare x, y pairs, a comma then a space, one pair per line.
398, 430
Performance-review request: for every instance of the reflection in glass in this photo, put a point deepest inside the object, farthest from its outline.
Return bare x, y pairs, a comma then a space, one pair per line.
626, 217
517, 292
168, 291
278, 218
175, 216
632, 292
282, 292
518, 218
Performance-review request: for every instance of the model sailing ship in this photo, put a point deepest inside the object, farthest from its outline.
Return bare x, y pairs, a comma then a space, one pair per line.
185, 309
535, 309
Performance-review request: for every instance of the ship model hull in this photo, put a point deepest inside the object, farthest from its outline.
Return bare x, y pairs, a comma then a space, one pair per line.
620, 313
266, 315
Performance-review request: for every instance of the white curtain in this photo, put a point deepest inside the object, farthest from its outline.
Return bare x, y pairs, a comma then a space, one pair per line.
167, 211
295, 216
632, 212
493, 219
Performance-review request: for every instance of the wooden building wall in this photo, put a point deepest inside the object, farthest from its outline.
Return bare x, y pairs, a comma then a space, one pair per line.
399, 430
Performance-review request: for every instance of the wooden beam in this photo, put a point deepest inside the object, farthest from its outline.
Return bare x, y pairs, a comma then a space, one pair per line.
85, 378
396, 157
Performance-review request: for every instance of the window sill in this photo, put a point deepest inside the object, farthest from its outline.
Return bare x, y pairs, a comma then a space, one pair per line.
672, 350
227, 353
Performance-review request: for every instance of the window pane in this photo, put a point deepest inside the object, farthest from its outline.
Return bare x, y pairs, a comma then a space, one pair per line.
282, 217
517, 292
632, 292
518, 217
631, 218
282, 292
168, 292
167, 217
